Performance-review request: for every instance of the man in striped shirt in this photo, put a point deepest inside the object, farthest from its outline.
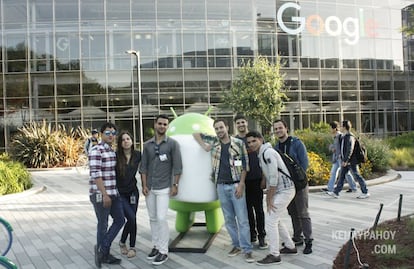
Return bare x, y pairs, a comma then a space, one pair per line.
104, 195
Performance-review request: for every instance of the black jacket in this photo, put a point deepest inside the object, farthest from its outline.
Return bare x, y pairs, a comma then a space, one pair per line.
347, 149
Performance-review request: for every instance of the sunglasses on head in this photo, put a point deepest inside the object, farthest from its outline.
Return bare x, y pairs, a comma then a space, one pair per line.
108, 133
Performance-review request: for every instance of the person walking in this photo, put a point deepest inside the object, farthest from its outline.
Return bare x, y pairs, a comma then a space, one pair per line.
280, 192
299, 207
91, 141
161, 168
255, 183
104, 195
349, 162
230, 163
127, 161
335, 148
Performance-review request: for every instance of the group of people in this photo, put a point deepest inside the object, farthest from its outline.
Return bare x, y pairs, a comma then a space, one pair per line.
241, 174
114, 192
242, 167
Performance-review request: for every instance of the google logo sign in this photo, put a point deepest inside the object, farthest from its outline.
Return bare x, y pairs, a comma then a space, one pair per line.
353, 28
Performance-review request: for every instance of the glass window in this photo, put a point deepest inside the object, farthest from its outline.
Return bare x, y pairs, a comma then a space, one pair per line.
66, 10
92, 10
16, 85
143, 10
15, 13
241, 10
117, 10
168, 9
217, 9
193, 10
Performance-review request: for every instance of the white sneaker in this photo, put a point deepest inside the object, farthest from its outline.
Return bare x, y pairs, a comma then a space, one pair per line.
331, 193
363, 196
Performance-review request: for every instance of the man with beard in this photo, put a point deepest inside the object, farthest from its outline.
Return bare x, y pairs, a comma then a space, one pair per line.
230, 163
161, 168
298, 208
255, 184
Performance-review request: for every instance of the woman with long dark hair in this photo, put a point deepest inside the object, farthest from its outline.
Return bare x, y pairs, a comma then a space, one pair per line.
127, 163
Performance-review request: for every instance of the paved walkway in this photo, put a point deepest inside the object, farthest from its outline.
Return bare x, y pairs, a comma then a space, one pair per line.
54, 226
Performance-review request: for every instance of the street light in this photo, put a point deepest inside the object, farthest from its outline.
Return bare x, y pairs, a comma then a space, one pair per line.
141, 136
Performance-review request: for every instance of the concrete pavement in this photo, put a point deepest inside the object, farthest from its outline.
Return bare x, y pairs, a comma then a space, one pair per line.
54, 226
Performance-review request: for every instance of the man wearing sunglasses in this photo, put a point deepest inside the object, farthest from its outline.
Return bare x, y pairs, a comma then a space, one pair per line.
104, 195
161, 168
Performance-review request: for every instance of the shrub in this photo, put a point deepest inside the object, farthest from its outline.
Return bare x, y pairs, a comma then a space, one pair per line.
318, 171
402, 158
38, 145
401, 141
14, 177
378, 153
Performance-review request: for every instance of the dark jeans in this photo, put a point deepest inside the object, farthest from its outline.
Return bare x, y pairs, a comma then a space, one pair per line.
357, 177
104, 235
130, 211
298, 210
254, 201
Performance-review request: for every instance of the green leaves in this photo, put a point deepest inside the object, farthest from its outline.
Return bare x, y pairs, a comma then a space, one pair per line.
259, 91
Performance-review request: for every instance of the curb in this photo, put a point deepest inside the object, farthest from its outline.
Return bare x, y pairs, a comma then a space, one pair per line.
36, 188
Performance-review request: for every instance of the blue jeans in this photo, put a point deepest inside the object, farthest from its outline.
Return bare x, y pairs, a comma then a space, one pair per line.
334, 174
235, 216
104, 235
130, 211
354, 170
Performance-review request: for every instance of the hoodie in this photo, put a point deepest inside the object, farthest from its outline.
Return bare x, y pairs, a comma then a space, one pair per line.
271, 167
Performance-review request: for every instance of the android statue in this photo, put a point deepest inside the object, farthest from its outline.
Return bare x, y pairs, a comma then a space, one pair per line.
196, 191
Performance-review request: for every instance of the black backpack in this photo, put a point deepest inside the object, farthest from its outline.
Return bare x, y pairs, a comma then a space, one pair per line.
360, 152
296, 173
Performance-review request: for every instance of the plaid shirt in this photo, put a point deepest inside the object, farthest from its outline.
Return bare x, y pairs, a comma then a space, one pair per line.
102, 161
237, 151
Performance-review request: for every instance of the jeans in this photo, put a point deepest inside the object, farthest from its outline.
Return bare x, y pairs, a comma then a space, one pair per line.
354, 170
254, 200
335, 170
157, 204
299, 213
130, 211
104, 235
235, 216
274, 224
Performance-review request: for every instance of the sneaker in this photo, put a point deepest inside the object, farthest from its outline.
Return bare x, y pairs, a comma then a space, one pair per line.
234, 252
109, 259
154, 252
325, 189
363, 196
350, 190
98, 257
331, 193
291, 251
248, 257
269, 260
298, 242
123, 248
263, 244
160, 259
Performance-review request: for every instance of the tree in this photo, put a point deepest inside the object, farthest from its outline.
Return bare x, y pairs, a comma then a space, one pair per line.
258, 92
408, 30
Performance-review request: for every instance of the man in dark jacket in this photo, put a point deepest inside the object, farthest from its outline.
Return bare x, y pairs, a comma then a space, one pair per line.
298, 208
349, 162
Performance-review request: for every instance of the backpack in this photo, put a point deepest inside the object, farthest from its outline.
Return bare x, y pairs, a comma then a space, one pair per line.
360, 151
296, 173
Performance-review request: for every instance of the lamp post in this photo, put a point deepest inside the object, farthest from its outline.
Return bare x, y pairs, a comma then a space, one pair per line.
141, 135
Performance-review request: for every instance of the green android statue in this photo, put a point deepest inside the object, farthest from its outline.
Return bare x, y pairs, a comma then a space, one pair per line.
196, 191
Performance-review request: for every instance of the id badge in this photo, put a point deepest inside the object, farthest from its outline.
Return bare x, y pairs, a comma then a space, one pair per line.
237, 163
133, 199
99, 197
163, 157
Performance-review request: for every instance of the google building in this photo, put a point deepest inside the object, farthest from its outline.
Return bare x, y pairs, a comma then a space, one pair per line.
84, 62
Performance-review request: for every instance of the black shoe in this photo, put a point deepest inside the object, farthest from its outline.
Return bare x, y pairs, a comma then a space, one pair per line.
160, 259
262, 243
269, 260
109, 259
292, 251
298, 241
308, 247
98, 257
154, 252
253, 239
325, 189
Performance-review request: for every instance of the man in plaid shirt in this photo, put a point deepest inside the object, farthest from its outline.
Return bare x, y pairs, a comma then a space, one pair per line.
230, 164
104, 195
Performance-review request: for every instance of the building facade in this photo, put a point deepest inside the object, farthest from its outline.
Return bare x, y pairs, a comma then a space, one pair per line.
66, 61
